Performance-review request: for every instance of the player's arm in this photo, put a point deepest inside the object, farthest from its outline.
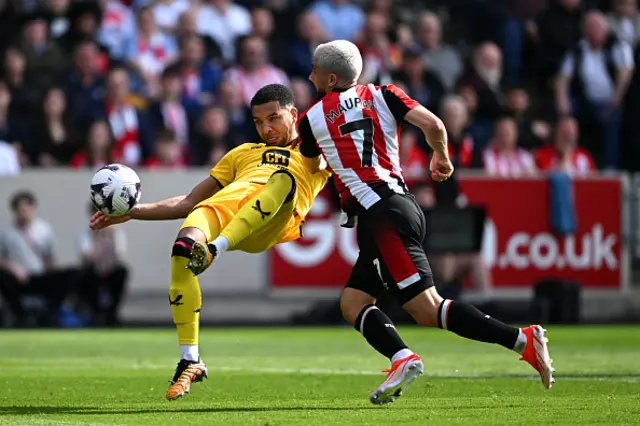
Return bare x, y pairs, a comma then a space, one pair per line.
405, 109
314, 161
176, 207
432, 127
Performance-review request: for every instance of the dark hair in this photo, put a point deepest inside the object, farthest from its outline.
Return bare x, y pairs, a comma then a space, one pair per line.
165, 134
171, 71
273, 92
22, 196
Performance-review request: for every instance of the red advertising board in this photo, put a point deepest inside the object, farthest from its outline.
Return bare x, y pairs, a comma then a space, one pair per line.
519, 246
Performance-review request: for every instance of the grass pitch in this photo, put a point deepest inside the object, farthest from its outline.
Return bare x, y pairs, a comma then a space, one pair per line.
313, 376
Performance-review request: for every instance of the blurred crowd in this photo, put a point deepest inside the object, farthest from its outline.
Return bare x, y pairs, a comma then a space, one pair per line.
522, 85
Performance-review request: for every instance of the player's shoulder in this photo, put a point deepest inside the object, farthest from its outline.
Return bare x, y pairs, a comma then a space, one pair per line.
246, 147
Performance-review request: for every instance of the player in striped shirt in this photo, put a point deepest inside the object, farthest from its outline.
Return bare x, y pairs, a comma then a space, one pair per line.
356, 129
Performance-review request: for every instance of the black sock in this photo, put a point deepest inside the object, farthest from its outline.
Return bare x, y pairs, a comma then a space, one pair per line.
467, 321
379, 331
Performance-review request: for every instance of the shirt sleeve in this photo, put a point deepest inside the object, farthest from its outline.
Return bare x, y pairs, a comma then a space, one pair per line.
398, 101
566, 68
84, 243
308, 144
225, 171
623, 55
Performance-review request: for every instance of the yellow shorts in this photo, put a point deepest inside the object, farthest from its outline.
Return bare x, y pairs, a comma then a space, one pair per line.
212, 215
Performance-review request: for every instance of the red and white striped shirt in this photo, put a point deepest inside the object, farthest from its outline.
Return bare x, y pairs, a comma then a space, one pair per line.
358, 133
578, 162
508, 164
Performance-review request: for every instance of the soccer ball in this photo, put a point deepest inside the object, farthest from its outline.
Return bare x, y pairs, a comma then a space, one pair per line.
115, 189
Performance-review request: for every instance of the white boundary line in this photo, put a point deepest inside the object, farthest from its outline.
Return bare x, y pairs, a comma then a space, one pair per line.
348, 372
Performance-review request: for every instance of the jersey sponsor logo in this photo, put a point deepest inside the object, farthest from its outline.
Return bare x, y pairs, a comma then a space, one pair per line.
276, 157
346, 105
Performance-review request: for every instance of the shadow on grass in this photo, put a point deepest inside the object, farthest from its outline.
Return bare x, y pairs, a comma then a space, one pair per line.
17, 411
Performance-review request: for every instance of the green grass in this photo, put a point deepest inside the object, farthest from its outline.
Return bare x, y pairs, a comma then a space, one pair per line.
292, 377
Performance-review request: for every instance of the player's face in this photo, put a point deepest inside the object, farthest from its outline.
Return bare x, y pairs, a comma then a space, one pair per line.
322, 80
275, 124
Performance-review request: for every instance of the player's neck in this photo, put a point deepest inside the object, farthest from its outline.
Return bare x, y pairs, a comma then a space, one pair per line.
341, 89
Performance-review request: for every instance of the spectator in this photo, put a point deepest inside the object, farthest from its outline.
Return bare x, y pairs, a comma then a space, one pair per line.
414, 160
9, 159
200, 78
167, 14
385, 8
127, 121
58, 16
565, 154
149, 51
503, 157
22, 97
254, 70
169, 153
98, 149
241, 127
117, 26
54, 142
213, 137
440, 58
455, 117
263, 27
484, 78
84, 85
188, 26
310, 35
624, 20
557, 30
45, 59
224, 21
380, 56
422, 85
84, 24
168, 111
340, 19
12, 126
27, 262
301, 94
533, 133
9, 12
595, 76
105, 275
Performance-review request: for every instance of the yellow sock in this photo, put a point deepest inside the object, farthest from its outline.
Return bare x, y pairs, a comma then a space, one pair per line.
258, 211
186, 300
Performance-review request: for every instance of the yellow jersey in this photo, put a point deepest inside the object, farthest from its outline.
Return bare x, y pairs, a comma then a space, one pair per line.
256, 162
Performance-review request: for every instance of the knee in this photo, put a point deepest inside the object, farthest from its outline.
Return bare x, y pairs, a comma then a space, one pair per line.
183, 243
285, 179
352, 304
424, 308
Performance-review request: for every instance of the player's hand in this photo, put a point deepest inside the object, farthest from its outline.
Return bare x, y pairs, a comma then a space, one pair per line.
19, 272
100, 220
441, 167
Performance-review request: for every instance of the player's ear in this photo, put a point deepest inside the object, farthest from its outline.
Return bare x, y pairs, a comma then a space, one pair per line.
294, 114
333, 80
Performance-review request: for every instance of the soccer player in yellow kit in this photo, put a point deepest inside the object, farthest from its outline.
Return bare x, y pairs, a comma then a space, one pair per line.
257, 196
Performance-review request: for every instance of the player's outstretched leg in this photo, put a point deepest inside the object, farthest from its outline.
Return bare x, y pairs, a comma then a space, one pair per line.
185, 300
359, 310
429, 309
256, 213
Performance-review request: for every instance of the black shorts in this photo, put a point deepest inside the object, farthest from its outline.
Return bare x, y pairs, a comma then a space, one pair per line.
392, 258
